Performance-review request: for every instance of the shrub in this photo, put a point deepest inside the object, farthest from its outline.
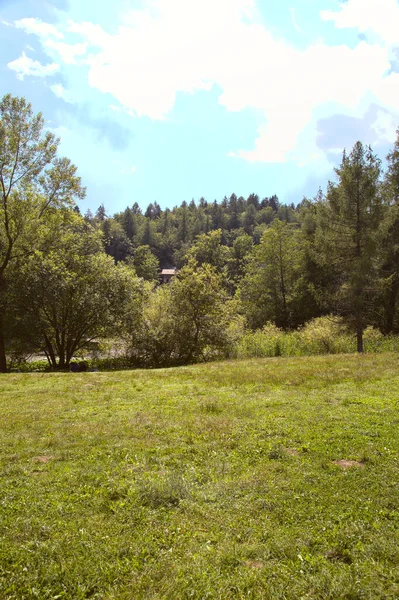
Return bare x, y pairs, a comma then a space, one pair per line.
326, 335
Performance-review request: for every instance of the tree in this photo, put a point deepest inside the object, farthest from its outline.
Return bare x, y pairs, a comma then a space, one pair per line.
33, 182
389, 246
145, 263
152, 337
269, 289
75, 293
254, 200
218, 216
153, 211
204, 313
346, 236
233, 211
183, 229
249, 219
116, 242
240, 255
316, 279
208, 249
101, 213
191, 319
129, 223
147, 233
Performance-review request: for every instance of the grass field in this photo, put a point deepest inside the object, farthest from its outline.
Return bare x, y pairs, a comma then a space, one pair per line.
273, 478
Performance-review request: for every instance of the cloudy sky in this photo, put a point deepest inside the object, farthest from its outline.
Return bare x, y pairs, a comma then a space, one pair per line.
170, 100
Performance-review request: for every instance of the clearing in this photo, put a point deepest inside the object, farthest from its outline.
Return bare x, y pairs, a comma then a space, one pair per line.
273, 478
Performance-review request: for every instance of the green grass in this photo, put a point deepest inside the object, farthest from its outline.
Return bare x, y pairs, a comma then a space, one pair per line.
212, 481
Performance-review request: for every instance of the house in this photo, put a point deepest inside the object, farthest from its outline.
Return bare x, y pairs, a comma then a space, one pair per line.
167, 274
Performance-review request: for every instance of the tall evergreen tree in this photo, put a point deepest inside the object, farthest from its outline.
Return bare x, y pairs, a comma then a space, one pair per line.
389, 272
183, 232
348, 222
101, 214
129, 223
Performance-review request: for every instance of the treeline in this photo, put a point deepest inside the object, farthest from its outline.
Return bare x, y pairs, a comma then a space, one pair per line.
68, 281
170, 233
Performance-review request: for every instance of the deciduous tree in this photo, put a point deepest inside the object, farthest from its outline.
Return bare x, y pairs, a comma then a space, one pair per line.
33, 182
269, 290
75, 293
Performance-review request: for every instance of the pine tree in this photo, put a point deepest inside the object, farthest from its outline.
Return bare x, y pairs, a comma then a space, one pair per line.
389, 272
346, 237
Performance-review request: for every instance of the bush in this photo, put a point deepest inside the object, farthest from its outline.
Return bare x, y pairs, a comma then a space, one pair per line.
267, 342
324, 335
192, 319
25, 366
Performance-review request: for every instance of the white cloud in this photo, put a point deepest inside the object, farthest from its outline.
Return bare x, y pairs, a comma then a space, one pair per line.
129, 171
92, 32
368, 16
183, 46
385, 127
67, 52
176, 47
37, 27
294, 20
25, 66
59, 91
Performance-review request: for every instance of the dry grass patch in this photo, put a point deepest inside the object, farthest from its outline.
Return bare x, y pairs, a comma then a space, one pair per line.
348, 464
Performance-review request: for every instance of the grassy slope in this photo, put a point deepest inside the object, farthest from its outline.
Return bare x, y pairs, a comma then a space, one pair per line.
212, 481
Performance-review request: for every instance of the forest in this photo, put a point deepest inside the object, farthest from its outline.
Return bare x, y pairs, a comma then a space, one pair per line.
72, 284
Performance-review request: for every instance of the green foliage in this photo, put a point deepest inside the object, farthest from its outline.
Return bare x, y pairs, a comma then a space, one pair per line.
189, 320
73, 294
34, 183
269, 291
20, 365
346, 237
208, 249
259, 260
326, 335
116, 241
145, 263
323, 335
386, 314
153, 339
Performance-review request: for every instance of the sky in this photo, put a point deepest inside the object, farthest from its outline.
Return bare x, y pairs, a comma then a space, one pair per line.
170, 100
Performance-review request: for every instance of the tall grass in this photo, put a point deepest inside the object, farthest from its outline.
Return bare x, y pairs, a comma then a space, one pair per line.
325, 335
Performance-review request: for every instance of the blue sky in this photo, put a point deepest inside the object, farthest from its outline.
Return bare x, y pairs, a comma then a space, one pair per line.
169, 100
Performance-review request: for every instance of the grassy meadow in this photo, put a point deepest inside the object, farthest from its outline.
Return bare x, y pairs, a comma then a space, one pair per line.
267, 478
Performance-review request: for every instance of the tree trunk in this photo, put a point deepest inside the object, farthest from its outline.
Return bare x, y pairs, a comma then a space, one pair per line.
3, 358
359, 336
50, 352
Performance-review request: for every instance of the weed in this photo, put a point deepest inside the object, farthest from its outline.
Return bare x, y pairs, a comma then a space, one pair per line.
163, 492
